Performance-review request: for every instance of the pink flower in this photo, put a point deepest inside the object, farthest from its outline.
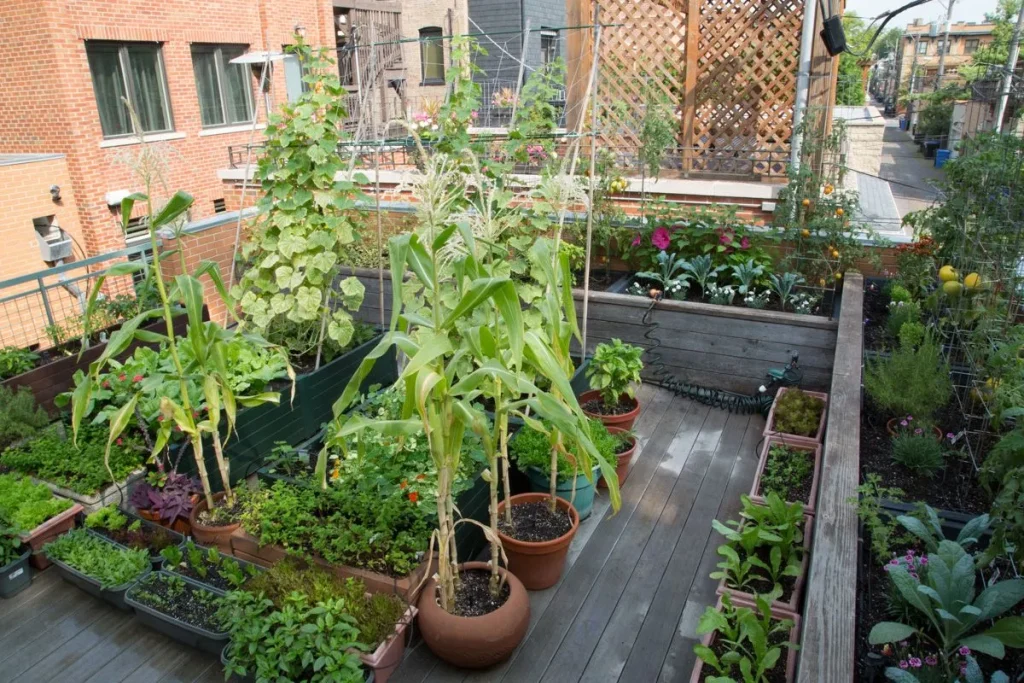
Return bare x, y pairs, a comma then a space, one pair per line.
473, 115
903, 423
964, 650
137, 378
725, 238
903, 664
950, 435
636, 240
924, 559
918, 430
745, 243
661, 238
910, 418
931, 660
915, 662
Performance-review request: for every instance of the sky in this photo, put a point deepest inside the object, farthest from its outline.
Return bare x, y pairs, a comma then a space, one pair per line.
963, 10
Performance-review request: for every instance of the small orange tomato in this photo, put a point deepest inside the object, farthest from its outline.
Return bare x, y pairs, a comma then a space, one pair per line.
805, 232
829, 189
821, 282
839, 211
839, 276
806, 202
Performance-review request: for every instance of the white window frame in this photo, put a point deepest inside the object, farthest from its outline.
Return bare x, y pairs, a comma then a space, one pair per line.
123, 60
218, 58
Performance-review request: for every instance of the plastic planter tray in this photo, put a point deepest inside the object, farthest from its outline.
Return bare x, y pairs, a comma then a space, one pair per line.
16, 576
115, 494
187, 634
114, 595
155, 559
244, 563
235, 678
793, 439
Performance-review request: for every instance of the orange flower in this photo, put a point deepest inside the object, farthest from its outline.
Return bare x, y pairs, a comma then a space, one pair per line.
335, 474
404, 485
420, 477
413, 496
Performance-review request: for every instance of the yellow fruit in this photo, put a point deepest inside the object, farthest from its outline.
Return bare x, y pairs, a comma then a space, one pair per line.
839, 211
839, 276
828, 189
806, 202
972, 281
821, 282
952, 288
947, 274
835, 253
805, 232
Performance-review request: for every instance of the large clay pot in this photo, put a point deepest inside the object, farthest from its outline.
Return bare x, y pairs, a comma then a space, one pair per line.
475, 642
219, 536
623, 421
622, 460
538, 565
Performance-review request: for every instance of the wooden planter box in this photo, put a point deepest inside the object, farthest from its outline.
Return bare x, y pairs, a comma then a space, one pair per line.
794, 439
725, 347
50, 380
791, 608
775, 440
794, 637
247, 547
114, 494
46, 532
258, 430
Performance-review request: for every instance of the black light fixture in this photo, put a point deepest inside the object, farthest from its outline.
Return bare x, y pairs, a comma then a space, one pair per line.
833, 36
55, 192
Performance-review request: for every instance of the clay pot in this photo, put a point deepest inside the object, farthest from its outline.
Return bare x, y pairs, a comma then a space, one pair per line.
796, 439
622, 460
181, 525
891, 425
475, 642
219, 536
37, 539
623, 421
538, 565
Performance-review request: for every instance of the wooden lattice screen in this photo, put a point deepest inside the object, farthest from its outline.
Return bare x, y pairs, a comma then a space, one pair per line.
730, 66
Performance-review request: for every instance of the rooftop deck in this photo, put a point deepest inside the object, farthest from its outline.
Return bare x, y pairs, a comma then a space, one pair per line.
626, 608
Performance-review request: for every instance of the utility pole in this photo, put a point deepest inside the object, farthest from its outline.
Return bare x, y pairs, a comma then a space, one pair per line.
911, 109
945, 46
1011, 64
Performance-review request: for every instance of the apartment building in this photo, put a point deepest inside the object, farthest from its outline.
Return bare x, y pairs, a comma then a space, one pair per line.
922, 46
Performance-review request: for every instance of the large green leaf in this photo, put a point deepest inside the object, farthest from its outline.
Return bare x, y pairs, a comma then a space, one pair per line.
999, 597
212, 270
476, 293
175, 206
985, 644
127, 206
118, 423
507, 301
433, 346
420, 263
1009, 631
354, 385
889, 632
900, 675
398, 250
80, 401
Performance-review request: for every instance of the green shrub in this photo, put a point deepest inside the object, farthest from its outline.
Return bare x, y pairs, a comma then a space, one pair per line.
98, 559
24, 505
14, 361
20, 417
899, 294
918, 452
912, 334
911, 381
901, 313
798, 413
532, 448
615, 370
55, 459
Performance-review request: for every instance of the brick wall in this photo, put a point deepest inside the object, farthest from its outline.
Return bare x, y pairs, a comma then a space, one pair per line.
419, 14
213, 244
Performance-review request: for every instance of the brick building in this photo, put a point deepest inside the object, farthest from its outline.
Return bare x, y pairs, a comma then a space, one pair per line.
922, 44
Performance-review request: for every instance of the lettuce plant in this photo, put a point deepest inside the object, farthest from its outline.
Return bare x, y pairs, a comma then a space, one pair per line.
749, 637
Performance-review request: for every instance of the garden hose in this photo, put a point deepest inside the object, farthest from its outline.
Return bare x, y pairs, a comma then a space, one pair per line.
758, 402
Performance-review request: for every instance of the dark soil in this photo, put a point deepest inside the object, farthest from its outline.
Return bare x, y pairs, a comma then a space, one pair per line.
796, 491
599, 281
146, 537
473, 597
221, 515
776, 675
954, 488
534, 523
624, 445
599, 407
214, 578
876, 315
194, 606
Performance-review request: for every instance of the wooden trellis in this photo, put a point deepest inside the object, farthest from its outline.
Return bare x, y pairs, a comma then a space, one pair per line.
730, 66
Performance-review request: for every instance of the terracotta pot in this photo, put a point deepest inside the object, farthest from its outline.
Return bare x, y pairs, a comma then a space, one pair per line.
538, 565
698, 675
890, 427
475, 642
181, 525
46, 532
622, 459
815, 451
388, 655
796, 439
219, 536
623, 421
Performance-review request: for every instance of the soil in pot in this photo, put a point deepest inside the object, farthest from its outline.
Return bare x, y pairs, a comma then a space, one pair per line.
185, 602
220, 515
535, 523
761, 586
788, 474
777, 674
598, 407
153, 538
473, 597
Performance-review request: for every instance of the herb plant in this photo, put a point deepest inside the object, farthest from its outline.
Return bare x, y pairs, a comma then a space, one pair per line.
798, 413
901, 313
98, 559
207, 566
920, 453
14, 361
20, 416
885, 532
615, 370
787, 471
912, 381
531, 447
24, 505
1008, 519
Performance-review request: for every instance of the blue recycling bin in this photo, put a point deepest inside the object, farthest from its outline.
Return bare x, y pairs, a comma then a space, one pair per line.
941, 157
903, 123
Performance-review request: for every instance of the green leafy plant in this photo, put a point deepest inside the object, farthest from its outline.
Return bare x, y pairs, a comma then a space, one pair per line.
752, 641
882, 527
306, 222
901, 313
24, 505
954, 615
786, 470
783, 286
20, 416
911, 381
109, 518
747, 274
186, 602
109, 565
14, 361
1008, 519
11, 547
670, 276
531, 447
928, 528
798, 413
911, 334
703, 271
615, 370
919, 452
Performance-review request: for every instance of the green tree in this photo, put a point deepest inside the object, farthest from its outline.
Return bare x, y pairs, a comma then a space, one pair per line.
887, 43
850, 88
994, 53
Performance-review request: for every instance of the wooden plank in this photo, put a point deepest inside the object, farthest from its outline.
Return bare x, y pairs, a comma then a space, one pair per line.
641, 555
12, 610
92, 615
680, 658
87, 652
188, 668
690, 81
655, 636
619, 637
828, 634
532, 658
163, 660
23, 629
149, 644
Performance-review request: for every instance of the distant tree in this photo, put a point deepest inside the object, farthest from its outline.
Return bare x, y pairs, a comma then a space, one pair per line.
887, 42
995, 53
850, 88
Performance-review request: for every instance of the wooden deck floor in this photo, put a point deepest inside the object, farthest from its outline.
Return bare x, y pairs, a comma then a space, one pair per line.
625, 610
627, 606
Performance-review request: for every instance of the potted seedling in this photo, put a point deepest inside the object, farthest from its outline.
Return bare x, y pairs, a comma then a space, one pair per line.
207, 566
624, 445
35, 514
614, 373
181, 609
15, 574
131, 532
788, 470
97, 566
797, 417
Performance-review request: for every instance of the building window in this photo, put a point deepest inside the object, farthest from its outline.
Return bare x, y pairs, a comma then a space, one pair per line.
225, 89
940, 47
132, 71
548, 47
432, 56
970, 46
922, 47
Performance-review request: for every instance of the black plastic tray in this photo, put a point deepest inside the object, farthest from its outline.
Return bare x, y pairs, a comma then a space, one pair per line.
187, 634
114, 596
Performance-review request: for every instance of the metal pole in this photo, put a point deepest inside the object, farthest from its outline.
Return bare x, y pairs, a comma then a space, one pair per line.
1011, 64
945, 46
910, 93
803, 79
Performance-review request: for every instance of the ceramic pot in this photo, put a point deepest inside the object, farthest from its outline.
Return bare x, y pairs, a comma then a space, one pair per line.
219, 536
475, 642
622, 459
538, 565
180, 525
583, 501
623, 421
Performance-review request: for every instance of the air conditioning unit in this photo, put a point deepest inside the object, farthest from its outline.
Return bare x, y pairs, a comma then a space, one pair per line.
54, 243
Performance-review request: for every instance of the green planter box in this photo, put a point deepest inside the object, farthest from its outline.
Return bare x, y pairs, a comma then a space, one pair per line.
257, 430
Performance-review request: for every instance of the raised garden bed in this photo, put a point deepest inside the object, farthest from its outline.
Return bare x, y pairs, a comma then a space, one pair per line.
114, 494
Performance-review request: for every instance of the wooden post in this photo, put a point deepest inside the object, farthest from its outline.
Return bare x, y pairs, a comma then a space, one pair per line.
827, 643
690, 83
578, 47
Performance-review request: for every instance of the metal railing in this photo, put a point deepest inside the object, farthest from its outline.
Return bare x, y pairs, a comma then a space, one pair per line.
45, 308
